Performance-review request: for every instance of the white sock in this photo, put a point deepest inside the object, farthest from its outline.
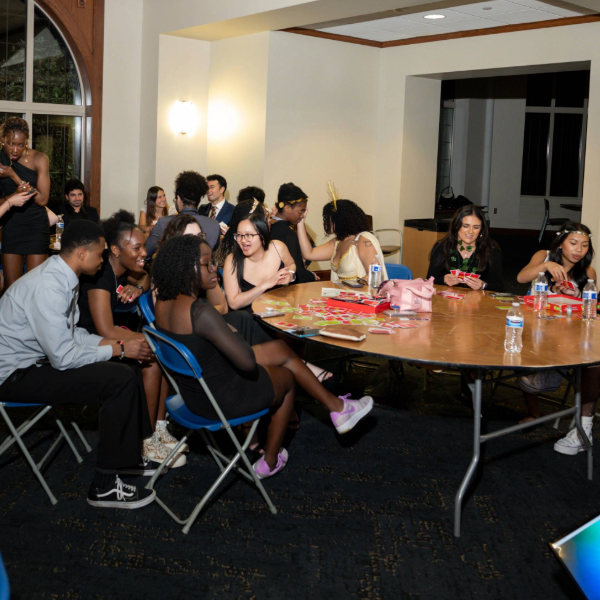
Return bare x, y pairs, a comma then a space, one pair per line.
587, 421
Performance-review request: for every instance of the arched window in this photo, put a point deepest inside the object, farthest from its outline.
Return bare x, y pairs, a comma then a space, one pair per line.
40, 82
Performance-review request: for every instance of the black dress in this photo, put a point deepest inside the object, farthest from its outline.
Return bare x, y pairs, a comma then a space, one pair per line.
247, 286
282, 231
104, 279
492, 275
240, 386
26, 229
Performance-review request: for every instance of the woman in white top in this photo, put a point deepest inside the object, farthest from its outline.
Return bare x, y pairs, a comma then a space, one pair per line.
156, 207
354, 246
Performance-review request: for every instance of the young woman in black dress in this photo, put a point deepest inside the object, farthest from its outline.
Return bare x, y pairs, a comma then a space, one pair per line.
467, 247
25, 231
244, 379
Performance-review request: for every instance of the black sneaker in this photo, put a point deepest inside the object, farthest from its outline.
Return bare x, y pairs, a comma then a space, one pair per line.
146, 468
120, 495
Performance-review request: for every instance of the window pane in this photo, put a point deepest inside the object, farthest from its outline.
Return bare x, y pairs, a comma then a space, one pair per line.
60, 138
55, 78
539, 89
572, 88
535, 154
6, 115
13, 26
566, 144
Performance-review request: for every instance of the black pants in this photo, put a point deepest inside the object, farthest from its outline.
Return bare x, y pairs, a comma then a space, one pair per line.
123, 419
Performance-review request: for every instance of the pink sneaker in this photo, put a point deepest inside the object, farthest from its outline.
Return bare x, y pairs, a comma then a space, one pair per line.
261, 468
353, 412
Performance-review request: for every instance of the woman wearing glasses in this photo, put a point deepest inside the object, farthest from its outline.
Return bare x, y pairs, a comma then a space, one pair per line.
243, 379
120, 280
257, 263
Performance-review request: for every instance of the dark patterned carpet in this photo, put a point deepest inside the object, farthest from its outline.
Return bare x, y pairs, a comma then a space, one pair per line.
367, 515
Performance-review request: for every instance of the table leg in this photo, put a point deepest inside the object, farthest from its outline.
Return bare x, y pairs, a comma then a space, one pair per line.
476, 453
584, 437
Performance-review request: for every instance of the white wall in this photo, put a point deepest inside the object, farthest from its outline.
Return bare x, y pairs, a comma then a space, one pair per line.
470, 57
180, 80
237, 110
321, 123
121, 100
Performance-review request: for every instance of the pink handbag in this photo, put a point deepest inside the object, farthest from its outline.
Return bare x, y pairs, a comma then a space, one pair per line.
414, 294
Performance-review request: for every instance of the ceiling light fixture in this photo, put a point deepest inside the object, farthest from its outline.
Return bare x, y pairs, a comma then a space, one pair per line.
432, 17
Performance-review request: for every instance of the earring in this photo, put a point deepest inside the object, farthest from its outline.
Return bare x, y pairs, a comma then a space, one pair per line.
117, 255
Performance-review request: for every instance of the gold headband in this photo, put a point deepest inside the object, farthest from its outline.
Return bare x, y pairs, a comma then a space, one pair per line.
333, 194
282, 204
579, 232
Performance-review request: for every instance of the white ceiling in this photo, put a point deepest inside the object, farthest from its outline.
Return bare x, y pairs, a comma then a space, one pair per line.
460, 18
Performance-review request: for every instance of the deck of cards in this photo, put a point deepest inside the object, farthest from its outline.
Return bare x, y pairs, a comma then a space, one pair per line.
452, 295
463, 275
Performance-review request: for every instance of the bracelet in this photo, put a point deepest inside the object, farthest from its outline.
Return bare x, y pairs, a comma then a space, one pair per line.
139, 287
8, 202
122, 350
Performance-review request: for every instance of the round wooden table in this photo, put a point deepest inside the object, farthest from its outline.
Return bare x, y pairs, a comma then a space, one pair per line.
466, 334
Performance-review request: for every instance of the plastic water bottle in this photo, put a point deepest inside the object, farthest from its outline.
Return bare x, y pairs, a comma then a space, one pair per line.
588, 310
513, 342
60, 227
375, 275
540, 294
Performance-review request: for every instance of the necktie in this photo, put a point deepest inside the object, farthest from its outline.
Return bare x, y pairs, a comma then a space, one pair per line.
213, 212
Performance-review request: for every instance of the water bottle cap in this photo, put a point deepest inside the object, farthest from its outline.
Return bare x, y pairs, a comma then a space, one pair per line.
515, 304
590, 280
541, 273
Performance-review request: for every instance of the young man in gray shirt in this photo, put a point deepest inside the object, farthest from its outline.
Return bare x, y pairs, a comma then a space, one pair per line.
45, 358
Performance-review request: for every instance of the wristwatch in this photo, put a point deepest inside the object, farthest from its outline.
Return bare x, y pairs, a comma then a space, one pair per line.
139, 287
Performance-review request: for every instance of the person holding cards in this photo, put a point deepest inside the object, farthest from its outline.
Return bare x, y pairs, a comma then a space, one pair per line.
568, 261
466, 255
256, 263
569, 264
245, 379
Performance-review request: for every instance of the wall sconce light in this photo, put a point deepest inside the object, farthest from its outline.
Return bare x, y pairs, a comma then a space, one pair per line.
183, 118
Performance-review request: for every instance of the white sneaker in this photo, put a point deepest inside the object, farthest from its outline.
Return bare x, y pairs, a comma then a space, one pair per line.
153, 450
572, 443
162, 434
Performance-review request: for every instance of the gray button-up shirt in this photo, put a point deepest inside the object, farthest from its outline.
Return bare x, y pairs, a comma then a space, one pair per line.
38, 314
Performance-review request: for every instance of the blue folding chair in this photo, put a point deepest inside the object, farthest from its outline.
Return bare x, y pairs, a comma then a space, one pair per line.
17, 433
398, 271
4, 586
146, 308
174, 357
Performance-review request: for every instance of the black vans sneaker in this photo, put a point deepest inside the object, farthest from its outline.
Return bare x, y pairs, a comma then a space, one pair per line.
120, 495
146, 468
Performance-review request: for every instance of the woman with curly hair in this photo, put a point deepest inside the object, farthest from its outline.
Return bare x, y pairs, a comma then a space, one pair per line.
120, 280
156, 207
25, 232
467, 247
354, 247
245, 379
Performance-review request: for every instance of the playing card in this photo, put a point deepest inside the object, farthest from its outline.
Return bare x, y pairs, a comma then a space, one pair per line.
405, 325
379, 330
284, 325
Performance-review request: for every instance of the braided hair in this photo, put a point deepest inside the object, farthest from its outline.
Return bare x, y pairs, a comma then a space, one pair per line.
15, 124
344, 219
176, 268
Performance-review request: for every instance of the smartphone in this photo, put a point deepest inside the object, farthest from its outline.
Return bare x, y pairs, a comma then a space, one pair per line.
269, 313
352, 283
305, 331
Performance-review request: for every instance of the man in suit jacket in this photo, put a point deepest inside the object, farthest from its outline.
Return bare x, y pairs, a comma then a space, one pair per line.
74, 207
190, 187
217, 208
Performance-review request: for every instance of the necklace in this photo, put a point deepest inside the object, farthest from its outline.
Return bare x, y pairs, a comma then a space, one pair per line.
462, 248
